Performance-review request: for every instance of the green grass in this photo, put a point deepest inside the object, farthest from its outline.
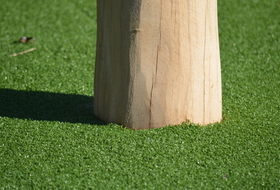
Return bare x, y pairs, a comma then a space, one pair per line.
49, 138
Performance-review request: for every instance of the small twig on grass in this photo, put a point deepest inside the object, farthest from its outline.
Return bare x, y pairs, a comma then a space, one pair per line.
26, 51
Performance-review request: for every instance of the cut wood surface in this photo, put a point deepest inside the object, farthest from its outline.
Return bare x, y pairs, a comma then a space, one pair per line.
157, 63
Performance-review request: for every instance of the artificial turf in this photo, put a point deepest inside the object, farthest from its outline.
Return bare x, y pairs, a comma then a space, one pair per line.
49, 138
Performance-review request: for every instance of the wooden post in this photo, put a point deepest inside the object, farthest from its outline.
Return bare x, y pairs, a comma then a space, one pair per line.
157, 63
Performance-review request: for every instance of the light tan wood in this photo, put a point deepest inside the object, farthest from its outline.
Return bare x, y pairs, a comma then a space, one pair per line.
158, 63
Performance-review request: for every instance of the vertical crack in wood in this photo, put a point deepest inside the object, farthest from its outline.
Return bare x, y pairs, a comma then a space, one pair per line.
152, 88
156, 69
204, 61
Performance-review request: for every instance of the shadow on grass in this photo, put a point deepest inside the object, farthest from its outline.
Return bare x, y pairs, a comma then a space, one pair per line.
47, 106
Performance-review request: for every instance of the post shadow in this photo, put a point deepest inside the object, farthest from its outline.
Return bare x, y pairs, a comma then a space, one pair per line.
47, 106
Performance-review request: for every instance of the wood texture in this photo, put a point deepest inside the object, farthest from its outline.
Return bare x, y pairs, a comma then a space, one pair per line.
157, 63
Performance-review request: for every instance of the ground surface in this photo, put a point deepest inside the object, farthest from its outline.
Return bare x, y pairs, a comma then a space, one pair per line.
49, 138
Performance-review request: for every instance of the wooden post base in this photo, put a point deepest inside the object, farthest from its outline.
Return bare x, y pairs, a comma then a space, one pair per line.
157, 63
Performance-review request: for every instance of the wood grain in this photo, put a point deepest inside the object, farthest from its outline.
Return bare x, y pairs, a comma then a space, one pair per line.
157, 63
